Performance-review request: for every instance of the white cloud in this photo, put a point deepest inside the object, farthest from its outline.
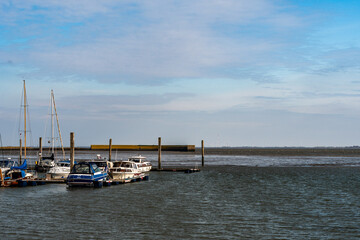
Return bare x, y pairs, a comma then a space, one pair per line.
148, 42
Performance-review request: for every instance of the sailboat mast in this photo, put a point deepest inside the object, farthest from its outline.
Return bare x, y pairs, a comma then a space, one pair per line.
52, 122
24, 120
58, 125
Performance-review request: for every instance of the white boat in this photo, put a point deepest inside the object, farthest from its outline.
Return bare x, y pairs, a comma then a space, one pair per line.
61, 170
140, 162
125, 170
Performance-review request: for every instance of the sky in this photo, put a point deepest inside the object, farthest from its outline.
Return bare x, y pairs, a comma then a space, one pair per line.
265, 73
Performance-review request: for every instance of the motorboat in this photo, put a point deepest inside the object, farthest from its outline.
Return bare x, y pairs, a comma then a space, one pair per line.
141, 163
86, 174
102, 163
125, 170
61, 170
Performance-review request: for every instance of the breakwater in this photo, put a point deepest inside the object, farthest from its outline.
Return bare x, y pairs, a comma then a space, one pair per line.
175, 148
180, 148
234, 151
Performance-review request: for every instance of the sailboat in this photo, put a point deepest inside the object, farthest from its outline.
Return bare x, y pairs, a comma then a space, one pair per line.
6, 164
17, 171
58, 168
45, 163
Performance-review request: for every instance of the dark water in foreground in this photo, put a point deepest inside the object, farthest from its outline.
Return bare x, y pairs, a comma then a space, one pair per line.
220, 202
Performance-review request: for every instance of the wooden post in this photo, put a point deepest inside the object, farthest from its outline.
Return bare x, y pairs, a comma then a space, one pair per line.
20, 147
40, 148
2, 179
202, 153
72, 151
110, 148
159, 153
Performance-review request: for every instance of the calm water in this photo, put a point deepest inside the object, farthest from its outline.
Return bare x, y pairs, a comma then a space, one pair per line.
274, 201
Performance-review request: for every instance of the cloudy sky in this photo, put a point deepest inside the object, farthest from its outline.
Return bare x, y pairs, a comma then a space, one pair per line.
231, 72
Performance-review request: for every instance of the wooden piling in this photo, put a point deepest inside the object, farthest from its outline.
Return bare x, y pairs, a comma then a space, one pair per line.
20, 148
202, 153
159, 153
40, 148
2, 179
110, 148
72, 150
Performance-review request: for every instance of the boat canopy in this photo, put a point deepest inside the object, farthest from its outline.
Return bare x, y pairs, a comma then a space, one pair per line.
21, 167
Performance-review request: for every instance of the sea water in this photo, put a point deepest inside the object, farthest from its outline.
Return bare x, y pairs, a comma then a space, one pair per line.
233, 197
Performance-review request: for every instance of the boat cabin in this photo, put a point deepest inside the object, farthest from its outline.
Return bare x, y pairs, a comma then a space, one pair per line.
85, 168
8, 163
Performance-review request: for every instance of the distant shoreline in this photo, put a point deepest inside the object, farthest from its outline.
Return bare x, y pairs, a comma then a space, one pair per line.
285, 151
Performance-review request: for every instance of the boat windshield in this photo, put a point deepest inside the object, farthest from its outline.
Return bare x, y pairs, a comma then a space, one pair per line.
126, 165
8, 163
137, 160
101, 164
81, 169
63, 164
95, 167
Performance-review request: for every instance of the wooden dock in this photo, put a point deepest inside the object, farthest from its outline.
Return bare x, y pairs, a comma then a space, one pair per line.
36, 182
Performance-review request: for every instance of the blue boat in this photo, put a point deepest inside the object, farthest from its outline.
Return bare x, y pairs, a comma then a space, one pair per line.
86, 174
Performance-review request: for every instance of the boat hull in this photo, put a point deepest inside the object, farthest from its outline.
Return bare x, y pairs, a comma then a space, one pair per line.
122, 175
58, 176
85, 179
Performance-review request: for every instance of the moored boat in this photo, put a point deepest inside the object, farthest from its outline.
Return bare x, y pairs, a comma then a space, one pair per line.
141, 163
6, 165
86, 174
61, 170
102, 163
125, 170
46, 163
16, 173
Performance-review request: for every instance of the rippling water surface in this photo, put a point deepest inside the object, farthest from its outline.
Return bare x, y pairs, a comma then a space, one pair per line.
267, 199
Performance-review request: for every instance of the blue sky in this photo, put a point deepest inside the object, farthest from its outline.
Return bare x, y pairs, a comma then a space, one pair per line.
232, 72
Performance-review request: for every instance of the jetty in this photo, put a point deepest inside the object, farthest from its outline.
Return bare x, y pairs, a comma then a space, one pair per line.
36, 182
174, 148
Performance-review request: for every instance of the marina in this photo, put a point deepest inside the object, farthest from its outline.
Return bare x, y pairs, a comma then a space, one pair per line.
96, 173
